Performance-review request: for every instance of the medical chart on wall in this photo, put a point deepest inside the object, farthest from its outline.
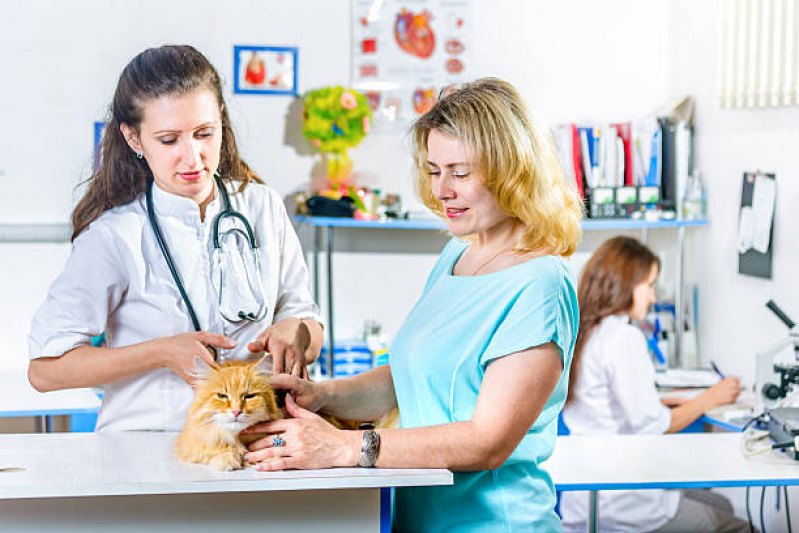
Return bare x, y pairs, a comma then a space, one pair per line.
405, 52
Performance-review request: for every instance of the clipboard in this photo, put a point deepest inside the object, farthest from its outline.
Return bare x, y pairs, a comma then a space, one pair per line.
752, 262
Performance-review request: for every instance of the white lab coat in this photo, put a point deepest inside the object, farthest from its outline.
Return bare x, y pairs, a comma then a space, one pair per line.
615, 394
116, 280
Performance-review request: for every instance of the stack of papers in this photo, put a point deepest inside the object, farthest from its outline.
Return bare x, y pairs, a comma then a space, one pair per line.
681, 394
678, 378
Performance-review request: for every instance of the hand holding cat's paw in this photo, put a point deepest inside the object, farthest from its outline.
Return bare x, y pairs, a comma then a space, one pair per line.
226, 461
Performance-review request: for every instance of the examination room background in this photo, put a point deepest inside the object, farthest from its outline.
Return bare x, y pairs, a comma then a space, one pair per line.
574, 60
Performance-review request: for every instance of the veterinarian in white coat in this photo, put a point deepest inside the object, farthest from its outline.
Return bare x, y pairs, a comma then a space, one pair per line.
169, 143
612, 392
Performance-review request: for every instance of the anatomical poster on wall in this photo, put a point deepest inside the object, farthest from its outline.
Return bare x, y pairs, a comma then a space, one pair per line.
405, 52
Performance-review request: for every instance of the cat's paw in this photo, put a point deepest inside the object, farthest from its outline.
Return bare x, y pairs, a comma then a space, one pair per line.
226, 461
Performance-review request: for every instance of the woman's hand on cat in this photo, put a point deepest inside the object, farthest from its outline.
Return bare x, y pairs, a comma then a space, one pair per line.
308, 441
178, 351
305, 394
288, 342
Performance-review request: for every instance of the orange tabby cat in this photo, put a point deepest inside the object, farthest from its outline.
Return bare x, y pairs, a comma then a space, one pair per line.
228, 398
232, 396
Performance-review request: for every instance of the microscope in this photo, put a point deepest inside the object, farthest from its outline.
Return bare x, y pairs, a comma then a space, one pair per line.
784, 371
777, 374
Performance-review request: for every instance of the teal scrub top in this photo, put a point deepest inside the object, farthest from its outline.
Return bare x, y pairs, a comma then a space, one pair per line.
438, 359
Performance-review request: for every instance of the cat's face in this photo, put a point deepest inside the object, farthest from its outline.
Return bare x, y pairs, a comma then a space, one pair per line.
236, 395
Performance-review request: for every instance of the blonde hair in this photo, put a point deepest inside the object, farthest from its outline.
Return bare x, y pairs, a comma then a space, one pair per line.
515, 156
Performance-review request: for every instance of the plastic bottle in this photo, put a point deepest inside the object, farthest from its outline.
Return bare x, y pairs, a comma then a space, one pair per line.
693, 205
376, 342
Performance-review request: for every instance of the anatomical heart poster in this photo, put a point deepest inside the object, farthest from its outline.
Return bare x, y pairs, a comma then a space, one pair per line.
405, 52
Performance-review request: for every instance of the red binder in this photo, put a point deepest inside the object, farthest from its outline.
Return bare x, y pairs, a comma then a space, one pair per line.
577, 160
624, 130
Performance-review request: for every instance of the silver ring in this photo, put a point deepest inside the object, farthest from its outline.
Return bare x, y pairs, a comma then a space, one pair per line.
278, 441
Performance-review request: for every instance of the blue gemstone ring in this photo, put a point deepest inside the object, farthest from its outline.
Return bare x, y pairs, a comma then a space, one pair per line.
278, 441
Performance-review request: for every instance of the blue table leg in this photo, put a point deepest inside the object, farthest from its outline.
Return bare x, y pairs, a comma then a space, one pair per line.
330, 337
385, 510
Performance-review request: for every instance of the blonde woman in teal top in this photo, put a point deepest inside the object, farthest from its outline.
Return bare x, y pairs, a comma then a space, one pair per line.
440, 359
479, 368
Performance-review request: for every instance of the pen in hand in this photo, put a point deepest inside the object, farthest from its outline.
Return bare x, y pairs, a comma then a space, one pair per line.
716, 369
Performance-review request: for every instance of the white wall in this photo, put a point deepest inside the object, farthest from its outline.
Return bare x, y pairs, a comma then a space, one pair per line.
574, 60
61, 60
25, 273
735, 323
568, 58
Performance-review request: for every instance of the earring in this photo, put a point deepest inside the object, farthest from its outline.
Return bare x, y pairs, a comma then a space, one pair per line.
139, 154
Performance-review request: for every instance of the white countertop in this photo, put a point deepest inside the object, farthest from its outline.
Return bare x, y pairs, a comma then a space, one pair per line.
135, 463
18, 398
664, 461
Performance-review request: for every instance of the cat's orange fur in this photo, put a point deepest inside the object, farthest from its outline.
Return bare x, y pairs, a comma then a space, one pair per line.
211, 434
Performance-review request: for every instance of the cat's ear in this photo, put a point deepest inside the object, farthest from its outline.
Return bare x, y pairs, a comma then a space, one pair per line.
264, 364
201, 369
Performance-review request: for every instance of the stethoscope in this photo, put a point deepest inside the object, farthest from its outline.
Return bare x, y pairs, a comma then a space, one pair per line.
227, 212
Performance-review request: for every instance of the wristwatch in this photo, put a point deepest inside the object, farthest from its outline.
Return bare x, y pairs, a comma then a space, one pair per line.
370, 445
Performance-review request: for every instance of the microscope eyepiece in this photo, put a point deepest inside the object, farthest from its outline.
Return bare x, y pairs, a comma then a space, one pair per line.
780, 314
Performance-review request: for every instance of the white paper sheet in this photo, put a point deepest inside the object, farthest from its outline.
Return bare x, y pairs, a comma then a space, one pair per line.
763, 200
680, 377
745, 229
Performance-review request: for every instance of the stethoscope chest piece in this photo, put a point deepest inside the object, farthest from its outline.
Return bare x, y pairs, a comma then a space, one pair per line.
236, 265
237, 278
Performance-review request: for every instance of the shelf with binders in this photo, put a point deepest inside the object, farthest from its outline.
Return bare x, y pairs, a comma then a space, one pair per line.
635, 169
323, 237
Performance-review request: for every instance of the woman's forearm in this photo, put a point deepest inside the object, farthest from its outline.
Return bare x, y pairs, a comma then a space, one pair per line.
458, 446
514, 392
366, 396
683, 415
89, 366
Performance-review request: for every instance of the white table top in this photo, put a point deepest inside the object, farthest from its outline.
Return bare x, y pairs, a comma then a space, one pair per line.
18, 398
682, 460
127, 463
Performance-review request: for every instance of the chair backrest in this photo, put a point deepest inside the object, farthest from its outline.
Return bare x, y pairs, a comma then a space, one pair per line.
563, 429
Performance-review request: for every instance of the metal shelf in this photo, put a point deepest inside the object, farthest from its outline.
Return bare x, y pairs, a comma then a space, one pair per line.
329, 223
60, 233
35, 233
437, 224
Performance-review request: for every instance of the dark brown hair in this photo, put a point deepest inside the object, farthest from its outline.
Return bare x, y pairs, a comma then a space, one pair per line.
165, 71
606, 288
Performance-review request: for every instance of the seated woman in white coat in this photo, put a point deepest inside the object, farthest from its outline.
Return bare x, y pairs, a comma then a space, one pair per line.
178, 250
612, 391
